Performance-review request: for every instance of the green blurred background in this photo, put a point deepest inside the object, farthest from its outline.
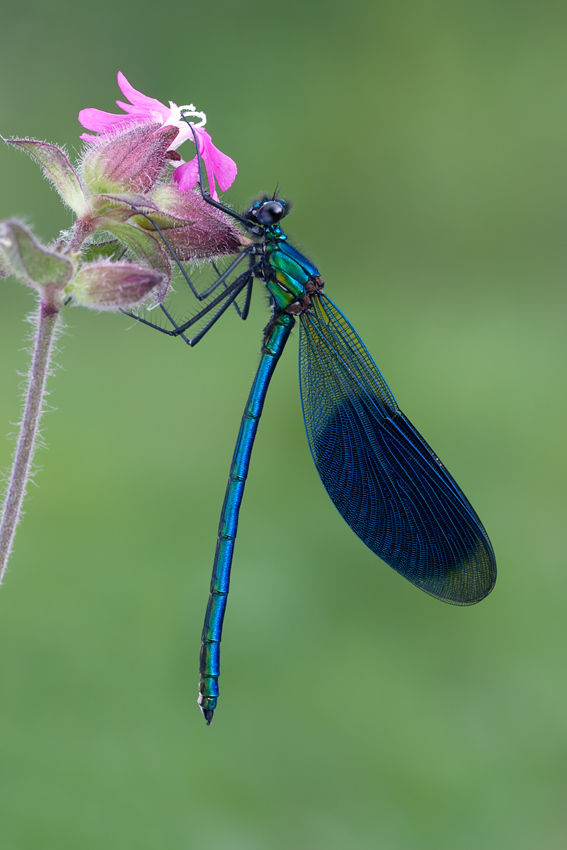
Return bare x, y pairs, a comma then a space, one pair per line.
424, 146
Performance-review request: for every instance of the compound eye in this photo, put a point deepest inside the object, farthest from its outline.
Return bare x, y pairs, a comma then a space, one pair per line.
270, 212
252, 213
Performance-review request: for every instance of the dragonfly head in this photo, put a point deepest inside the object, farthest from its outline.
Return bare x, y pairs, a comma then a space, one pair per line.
267, 211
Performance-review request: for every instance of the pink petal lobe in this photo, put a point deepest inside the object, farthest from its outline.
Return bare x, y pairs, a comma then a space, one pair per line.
141, 110
141, 114
211, 182
217, 163
127, 107
186, 175
136, 97
99, 121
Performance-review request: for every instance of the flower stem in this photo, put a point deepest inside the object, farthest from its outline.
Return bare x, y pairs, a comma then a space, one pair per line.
46, 322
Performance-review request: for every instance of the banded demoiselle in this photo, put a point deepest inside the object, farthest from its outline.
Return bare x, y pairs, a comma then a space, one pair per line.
384, 479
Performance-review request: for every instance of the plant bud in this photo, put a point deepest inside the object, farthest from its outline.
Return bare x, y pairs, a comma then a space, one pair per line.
131, 161
115, 286
202, 233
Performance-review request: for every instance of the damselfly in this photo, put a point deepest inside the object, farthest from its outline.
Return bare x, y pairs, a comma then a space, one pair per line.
384, 479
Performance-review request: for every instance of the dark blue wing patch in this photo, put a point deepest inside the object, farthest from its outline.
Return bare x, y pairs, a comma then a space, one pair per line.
384, 479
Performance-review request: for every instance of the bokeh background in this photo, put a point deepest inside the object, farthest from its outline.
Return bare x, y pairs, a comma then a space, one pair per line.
424, 146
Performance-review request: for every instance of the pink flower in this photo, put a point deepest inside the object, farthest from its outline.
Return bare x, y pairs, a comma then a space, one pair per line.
147, 110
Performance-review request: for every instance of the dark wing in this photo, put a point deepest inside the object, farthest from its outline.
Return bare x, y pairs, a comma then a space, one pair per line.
384, 479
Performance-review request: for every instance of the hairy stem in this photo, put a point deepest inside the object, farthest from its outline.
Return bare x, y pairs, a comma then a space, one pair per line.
46, 323
82, 229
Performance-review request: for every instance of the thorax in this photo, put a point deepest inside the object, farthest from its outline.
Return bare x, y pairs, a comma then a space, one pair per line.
287, 274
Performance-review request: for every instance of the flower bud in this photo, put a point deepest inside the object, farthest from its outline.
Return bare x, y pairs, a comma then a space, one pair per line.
131, 161
202, 232
115, 286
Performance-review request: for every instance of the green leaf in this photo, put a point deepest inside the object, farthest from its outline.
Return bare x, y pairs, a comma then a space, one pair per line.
30, 261
142, 244
112, 249
58, 170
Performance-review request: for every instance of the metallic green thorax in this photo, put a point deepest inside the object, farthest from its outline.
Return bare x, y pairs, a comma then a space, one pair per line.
286, 271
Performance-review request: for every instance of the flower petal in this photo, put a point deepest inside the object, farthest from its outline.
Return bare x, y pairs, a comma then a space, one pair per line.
101, 122
136, 98
141, 110
219, 166
187, 175
142, 113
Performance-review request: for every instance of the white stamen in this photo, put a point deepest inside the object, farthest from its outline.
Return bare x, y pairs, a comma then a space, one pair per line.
190, 112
